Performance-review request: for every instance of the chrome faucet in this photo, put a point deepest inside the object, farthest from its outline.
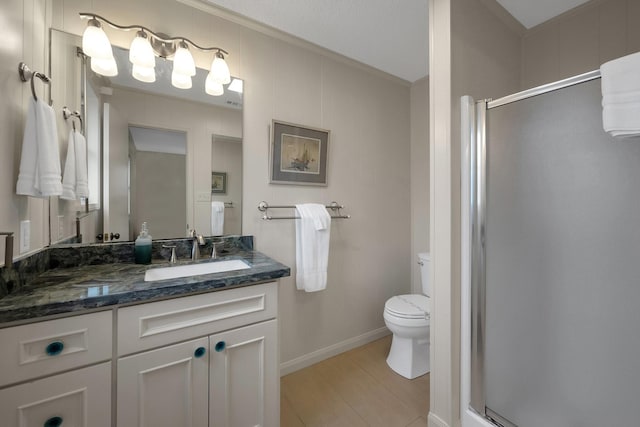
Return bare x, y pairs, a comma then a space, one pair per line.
197, 241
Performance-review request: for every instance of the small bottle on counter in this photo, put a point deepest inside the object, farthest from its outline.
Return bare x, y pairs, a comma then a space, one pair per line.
142, 246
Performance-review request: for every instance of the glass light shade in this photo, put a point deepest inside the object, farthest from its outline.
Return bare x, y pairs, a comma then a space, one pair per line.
104, 67
141, 52
236, 86
220, 70
212, 87
181, 81
95, 42
183, 62
144, 74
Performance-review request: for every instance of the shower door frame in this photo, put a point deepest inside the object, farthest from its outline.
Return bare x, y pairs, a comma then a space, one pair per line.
474, 412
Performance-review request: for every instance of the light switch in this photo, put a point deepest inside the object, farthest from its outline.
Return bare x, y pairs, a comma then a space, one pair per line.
203, 196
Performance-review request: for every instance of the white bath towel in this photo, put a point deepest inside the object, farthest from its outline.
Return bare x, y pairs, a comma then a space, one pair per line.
217, 218
74, 179
621, 96
39, 174
313, 230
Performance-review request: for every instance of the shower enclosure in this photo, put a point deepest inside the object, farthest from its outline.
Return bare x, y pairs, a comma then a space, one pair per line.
551, 262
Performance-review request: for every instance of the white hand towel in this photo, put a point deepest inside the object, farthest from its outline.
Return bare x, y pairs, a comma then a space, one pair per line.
82, 174
217, 218
69, 175
621, 96
39, 174
74, 181
313, 230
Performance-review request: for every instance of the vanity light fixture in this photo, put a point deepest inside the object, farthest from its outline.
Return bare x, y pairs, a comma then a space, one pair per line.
145, 47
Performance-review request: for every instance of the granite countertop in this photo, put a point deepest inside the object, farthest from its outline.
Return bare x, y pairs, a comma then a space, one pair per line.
88, 287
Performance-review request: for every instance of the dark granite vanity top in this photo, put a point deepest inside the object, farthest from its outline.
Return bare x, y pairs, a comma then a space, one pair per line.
92, 284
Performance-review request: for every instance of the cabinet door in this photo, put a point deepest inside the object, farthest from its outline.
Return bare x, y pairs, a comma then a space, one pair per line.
166, 387
245, 386
80, 398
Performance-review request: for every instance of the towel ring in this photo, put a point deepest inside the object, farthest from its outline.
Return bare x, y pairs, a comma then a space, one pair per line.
26, 74
67, 113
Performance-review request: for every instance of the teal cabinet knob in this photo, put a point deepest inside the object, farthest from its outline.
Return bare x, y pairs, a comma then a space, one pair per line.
200, 351
53, 422
220, 346
54, 348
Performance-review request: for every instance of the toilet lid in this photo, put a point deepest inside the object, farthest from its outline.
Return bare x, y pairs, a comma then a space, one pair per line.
408, 306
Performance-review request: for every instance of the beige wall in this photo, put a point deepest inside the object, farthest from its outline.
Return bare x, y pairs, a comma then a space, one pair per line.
580, 41
478, 55
369, 165
24, 40
419, 177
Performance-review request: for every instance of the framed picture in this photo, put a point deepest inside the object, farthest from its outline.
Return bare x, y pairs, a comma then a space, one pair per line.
298, 154
219, 182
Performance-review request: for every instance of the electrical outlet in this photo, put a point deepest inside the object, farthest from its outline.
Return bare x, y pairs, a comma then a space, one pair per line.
60, 226
25, 236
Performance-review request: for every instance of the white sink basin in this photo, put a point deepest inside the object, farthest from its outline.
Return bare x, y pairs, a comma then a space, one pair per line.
165, 273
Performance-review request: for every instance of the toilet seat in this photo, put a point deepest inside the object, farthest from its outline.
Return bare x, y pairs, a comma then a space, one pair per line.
410, 306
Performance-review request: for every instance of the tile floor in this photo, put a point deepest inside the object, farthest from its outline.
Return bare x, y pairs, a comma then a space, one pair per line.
355, 388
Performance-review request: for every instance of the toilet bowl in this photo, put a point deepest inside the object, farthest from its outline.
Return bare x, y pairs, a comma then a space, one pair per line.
407, 317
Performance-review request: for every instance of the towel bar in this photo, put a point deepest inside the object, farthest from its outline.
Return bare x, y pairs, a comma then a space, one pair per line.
333, 206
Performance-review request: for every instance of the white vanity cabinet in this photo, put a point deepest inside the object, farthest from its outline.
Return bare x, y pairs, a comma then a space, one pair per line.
42, 378
205, 360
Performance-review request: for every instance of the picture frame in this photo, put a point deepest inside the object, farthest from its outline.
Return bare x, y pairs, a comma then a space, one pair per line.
298, 154
218, 183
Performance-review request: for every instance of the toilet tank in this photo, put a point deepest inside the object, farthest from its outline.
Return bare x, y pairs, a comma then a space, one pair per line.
424, 260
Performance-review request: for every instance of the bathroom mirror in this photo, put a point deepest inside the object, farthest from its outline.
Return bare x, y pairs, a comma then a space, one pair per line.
159, 147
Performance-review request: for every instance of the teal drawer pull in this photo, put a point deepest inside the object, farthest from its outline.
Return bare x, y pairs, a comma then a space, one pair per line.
200, 351
54, 349
220, 346
53, 422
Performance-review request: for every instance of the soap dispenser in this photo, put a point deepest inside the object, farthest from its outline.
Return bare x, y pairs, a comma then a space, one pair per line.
142, 246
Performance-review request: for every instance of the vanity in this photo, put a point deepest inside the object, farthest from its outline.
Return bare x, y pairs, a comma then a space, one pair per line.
95, 344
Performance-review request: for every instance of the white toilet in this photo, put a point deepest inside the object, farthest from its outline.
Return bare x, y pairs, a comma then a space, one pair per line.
407, 316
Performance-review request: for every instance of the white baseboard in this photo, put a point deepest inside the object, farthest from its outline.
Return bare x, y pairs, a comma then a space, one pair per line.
435, 421
327, 352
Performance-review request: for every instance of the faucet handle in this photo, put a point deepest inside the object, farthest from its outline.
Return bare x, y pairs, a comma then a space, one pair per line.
214, 249
173, 258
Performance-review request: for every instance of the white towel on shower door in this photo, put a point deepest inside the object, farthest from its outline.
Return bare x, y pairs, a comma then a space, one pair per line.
39, 174
621, 96
313, 230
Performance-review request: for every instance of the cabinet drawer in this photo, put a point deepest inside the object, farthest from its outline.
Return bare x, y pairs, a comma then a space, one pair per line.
77, 398
160, 323
44, 348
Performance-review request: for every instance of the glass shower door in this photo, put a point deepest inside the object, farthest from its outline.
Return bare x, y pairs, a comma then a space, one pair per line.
562, 265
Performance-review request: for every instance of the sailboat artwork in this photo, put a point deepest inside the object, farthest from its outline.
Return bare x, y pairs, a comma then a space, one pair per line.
300, 154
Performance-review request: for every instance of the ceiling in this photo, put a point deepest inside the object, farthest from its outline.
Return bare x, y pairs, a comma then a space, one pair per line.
369, 30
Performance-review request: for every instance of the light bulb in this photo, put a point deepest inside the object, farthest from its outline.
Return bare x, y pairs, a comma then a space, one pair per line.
212, 87
235, 86
183, 62
104, 67
144, 74
181, 81
220, 69
95, 42
141, 52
